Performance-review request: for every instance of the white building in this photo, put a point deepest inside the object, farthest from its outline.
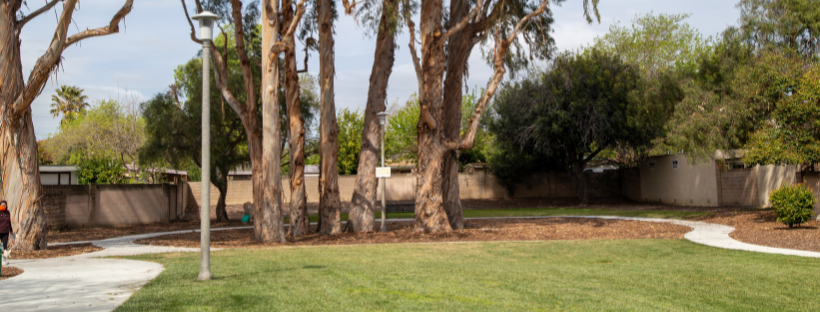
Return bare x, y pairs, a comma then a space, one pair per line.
58, 175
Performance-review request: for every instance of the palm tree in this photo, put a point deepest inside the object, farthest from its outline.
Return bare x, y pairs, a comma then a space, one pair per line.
68, 101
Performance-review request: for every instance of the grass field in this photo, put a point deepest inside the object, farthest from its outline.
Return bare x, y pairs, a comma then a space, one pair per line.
542, 212
639, 275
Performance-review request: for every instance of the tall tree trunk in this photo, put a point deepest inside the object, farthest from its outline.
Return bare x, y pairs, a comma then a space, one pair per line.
330, 205
299, 222
19, 174
458, 53
361, 217
221, 184
268, 225
430, 215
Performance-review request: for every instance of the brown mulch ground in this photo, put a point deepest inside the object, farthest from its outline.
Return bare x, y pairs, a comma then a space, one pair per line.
55, 251
475, 230
89, 234
760, 227
9, 272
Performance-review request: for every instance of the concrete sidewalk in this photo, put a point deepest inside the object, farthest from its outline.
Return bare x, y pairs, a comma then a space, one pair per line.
88, 283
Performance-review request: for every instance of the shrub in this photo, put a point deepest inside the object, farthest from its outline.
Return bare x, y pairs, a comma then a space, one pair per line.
793, 204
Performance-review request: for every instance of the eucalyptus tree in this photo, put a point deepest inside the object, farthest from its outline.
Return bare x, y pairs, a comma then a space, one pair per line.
18, 150
499, 24
384, 19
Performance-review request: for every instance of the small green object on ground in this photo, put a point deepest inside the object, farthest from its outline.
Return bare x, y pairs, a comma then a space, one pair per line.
595, 275
793, 204
246, 218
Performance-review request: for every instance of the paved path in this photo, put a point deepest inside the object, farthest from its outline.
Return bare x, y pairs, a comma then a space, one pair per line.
88, 283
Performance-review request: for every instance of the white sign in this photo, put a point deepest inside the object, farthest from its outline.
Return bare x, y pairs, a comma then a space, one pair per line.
382, 172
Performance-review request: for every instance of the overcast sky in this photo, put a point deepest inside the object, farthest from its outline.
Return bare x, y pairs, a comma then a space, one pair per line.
139, 61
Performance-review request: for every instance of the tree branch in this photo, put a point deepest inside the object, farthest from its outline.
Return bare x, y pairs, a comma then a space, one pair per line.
413, 54
46, 63
349, 6
34, 14
461, 24
112, 28
190, 23
244, 61
500, 50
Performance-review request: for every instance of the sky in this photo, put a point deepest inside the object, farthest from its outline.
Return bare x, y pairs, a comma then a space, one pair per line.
139, 61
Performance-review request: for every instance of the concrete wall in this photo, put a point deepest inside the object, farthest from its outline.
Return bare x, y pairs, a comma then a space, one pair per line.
631, 183
688, 185
772, 177
112, 205
402, 187
738, 187
812, 181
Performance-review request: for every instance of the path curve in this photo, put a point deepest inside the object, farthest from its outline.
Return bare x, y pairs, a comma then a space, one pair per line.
87, 283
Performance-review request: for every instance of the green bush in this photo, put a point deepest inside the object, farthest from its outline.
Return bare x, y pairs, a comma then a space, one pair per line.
793, 204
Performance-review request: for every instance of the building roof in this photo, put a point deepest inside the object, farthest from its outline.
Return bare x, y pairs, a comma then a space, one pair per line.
53, 168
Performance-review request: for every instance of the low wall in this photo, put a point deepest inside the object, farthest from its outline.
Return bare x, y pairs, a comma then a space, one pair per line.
738, 187
112, 205
688, 184
812, 181
402, 187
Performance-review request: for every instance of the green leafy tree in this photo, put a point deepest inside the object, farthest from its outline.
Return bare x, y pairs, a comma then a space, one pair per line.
175, 135
584, 104
792, 135
99, 170
783, 24
351, 125
69, 101
108, 130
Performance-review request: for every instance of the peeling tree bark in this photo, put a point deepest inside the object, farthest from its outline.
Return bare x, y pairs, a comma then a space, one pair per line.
19, 174
268, 220
361, 216
299, 222
429, 209
329, 202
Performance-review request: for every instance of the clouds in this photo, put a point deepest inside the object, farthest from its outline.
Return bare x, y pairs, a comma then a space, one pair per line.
155, 39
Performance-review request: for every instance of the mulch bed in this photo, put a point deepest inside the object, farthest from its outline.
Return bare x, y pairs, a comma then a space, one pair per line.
760, 227
475, 230
97, 233
55, 252
9, 272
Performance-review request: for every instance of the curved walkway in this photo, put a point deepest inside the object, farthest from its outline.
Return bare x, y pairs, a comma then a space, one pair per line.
87, 283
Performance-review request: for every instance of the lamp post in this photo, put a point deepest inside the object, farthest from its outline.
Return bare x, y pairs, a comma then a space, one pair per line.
206, 26
382, 123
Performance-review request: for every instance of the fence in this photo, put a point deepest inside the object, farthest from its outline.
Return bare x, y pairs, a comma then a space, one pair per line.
113, 205
402, 187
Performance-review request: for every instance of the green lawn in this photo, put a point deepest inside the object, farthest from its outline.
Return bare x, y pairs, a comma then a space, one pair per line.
641, 275
541, 212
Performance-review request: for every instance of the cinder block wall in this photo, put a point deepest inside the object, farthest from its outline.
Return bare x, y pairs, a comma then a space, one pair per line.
111, 205
402, 187
812, 181
738, 187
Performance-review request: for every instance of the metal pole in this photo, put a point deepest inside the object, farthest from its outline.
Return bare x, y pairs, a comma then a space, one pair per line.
205, 210
384, 188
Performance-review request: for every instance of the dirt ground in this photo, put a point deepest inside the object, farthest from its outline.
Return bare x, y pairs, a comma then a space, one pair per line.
760, 227
55, 251
475, 230
97, 233
9, 272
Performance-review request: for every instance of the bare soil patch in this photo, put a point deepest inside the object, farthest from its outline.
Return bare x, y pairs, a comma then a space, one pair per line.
475, 230
55, 251
760, 227
9, 272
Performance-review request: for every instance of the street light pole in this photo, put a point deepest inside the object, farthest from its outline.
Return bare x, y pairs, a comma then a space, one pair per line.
206, 24
382, 122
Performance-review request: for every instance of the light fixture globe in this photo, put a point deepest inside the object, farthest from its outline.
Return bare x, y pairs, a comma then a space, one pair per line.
382, 118
206, 24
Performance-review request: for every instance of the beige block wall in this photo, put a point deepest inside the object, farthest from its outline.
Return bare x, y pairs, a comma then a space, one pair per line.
738, 187
129, 205
772, 177
812, 181
689, 184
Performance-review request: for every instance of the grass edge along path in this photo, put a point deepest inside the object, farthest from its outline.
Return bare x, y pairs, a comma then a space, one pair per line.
641, 275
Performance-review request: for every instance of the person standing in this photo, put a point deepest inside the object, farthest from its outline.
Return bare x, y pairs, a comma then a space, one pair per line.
5, 229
